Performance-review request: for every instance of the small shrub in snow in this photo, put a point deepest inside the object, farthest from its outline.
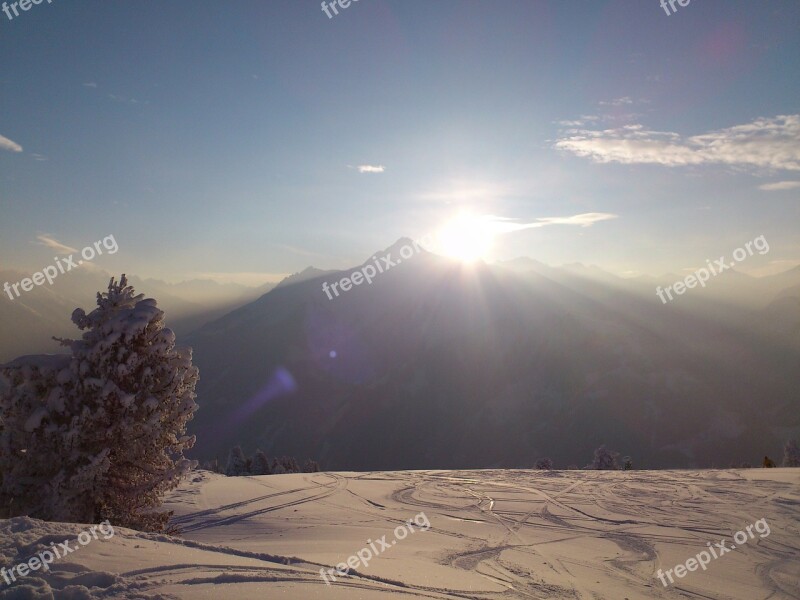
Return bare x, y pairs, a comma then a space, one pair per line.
605, 459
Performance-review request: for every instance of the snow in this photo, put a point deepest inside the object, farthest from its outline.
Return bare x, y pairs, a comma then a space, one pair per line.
494, 534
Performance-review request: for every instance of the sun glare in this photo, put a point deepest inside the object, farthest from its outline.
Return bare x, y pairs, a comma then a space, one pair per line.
466, 238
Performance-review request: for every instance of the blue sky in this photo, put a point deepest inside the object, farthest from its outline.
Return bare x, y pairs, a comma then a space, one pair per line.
225, 139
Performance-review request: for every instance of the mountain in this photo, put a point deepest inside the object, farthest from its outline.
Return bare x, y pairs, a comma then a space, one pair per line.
436, 365
28, 322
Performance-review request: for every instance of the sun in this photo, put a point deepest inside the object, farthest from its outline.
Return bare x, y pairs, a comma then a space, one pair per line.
466, 238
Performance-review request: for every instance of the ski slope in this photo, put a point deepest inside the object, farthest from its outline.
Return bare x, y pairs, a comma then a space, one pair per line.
493, 534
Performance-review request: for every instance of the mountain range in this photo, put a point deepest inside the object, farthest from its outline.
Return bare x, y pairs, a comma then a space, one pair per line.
440, 365
436, 364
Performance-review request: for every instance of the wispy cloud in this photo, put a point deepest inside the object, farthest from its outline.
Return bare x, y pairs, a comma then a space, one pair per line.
580, 122
771, 143
371, 168
780, 186
39, 157
618, 101
10, 145
90, 84
46, 239
505, 225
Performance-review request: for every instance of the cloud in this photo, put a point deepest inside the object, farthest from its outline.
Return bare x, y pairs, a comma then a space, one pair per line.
371, 169
582, 121
618, 101
10, 145
583, 219
46, 239
779, 186
91, 84
786, 261
771, 143
505, 225
39, 157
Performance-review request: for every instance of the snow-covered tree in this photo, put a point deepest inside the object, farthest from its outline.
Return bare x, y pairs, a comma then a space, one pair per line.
605, 459
100, 434
212, 465
311, 466
627, 463
290, 464
544, 464
30, 457
261, 464
791, 454
237, 463
277, 467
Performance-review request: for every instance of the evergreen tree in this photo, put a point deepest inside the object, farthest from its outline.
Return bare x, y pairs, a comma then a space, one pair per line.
311, 466
544, 464
791, 454
100, 434
237, 463
261, 464
290, 464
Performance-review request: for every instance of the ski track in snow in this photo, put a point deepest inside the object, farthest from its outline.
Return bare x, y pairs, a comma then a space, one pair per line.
498, 534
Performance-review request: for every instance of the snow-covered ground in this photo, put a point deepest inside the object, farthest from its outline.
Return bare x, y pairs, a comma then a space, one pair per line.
493, 534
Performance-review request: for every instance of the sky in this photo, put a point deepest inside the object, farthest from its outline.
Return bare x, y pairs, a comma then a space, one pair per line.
246, 141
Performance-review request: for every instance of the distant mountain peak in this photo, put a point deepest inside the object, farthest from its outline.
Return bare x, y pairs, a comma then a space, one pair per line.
304, 275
